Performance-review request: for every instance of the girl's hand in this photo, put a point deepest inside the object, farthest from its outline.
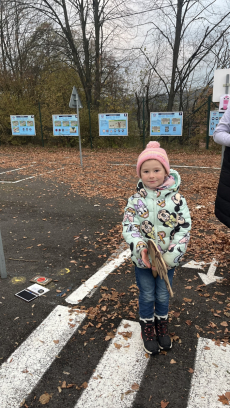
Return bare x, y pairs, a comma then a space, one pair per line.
145, 258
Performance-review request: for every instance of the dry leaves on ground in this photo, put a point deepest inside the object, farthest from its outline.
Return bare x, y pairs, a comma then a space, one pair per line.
45, 398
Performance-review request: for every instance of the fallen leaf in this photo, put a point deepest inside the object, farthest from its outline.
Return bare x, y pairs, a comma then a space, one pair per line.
225, 324
172, 361
176, 314
227, 395
190, 370
135, 387
63, 384
206, 348
223, 399
45, 398
126, 335
109, 336
118, 346
174, 337
84, 385
56, 341
164, 404
188, 322
213, 325
187, 300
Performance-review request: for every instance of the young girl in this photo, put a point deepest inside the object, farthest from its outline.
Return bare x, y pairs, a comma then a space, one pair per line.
157, 211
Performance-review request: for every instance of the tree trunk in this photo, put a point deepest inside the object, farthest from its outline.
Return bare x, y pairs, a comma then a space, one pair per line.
176, 48
97, 27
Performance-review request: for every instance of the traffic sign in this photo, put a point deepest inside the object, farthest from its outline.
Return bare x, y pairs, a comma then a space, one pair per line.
74, 99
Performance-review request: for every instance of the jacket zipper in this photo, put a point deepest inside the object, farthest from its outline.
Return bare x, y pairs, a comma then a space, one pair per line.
155, 218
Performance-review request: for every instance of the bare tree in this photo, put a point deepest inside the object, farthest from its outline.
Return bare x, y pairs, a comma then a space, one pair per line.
85, 28
186, 32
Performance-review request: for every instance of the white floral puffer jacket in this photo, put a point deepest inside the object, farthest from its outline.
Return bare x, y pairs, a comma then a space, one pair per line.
161, 215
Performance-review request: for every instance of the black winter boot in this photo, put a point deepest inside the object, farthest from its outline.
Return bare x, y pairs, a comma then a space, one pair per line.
163, 338
148, 335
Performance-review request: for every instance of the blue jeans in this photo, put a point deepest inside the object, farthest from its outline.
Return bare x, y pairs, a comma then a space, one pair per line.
152, 291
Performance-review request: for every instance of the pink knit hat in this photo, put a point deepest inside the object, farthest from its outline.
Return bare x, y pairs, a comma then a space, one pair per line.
153, 151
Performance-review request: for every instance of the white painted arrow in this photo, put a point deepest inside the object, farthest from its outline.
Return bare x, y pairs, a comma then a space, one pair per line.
210, 278
194, 265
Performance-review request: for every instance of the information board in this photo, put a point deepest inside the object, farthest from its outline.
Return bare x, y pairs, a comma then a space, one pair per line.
166, 123
113, 124
215, 117
65, 125
23, 125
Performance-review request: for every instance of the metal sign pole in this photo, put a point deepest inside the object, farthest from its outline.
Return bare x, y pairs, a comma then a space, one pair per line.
2, 260
79, 132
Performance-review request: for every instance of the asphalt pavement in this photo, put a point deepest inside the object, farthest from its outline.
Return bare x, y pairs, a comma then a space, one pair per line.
51, 231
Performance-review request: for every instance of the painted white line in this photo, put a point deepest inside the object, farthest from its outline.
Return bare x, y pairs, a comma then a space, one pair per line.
211, 377
20, 168
28, 178
117, 377
25, 367
196, 167
172, 165
10, 171
80, 293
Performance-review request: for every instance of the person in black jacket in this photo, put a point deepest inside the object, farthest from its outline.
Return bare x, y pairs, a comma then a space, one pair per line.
222, 203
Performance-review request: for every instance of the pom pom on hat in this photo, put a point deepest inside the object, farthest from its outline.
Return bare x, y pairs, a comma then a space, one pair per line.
155, 152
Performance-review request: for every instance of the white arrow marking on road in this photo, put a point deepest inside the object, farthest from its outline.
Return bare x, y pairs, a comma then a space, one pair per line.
118, 370
80, 293
211, 377
194, 265
25, 367
209, 278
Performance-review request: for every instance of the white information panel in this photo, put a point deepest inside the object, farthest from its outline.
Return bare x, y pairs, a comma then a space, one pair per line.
215, 117
113, 124
23, 125
65, 125
166, 123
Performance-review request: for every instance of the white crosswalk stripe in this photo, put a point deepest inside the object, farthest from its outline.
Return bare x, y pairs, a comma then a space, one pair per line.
118, 375
82, 291
25, 367
211, 377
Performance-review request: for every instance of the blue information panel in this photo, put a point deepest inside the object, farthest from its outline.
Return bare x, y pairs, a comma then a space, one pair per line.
23, 125
166, 123
113, 124
215, 117
65, 125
